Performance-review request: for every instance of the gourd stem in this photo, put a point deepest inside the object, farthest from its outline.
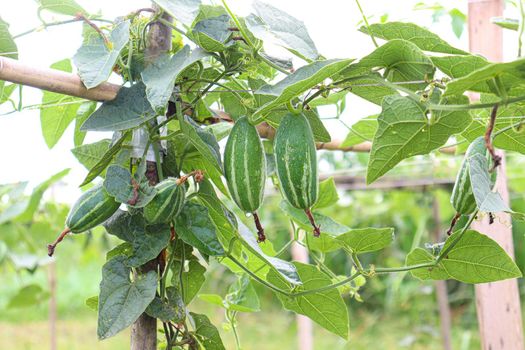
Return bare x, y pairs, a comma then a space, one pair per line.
261, 237
453, 223
317, 229
51, 247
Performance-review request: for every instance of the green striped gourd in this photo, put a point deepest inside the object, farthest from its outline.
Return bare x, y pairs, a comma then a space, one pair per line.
462, 198
296, 161
92, 208
245, 166
167, 203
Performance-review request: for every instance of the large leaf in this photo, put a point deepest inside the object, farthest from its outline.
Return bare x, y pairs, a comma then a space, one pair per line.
63, 7
474, 259
457, 66
95, 58
194, 226
368, 239
160, 76
7, 44
300, 81
83, 113
120, 184
421, 37
198, 137
121, 300
147, 240
60, 111
290, 31
30, 295
206, 332
242, 296
129, 109
90, 154
404, 130
184, 11
403, 60
192, 280
326, 308
510, 74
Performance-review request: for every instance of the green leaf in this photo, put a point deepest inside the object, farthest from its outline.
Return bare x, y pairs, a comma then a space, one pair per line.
486, 199
31, 295
63, 7
194, 226
511, 75
421, 37
403, 60
90, 154
83, 113
404, 130
60, 112
160, 76
370, 89
474, 259
363, 130
129, 109
192, 280
104, 161
95, 61
8, 46
330, 229
184, 11
290, 31
208, 150
36, 196
298, 82
507, 23
460, 66
212, 34
458, 21
118, 183
327, 194
326, 308
147, 240
242, 296
92, 302
368, 239
206, 332
121, 301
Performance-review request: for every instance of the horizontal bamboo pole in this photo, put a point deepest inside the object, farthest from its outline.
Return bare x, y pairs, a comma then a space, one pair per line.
70, 84
54, 80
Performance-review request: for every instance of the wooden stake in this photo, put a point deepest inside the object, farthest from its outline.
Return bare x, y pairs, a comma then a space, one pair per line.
497, 304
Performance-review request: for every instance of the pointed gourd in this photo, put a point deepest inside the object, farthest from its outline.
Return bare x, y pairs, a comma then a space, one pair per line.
245, 166
92, 208
296, 161
167, 203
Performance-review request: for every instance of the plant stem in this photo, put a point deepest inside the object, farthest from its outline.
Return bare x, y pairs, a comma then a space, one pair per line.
238, 24
52, 24
366, 23
496, 159
402, 268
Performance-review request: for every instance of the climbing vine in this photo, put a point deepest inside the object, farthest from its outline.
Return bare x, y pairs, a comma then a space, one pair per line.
168, 187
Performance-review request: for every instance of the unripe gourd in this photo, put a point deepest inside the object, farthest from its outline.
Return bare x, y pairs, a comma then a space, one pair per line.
167, 203
296, 162
92, 208
245, 169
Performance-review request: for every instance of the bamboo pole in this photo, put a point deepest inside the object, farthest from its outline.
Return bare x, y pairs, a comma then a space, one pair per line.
498, 304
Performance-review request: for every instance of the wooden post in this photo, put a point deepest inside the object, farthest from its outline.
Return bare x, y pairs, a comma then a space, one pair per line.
441, 286
498, 304
144, 330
